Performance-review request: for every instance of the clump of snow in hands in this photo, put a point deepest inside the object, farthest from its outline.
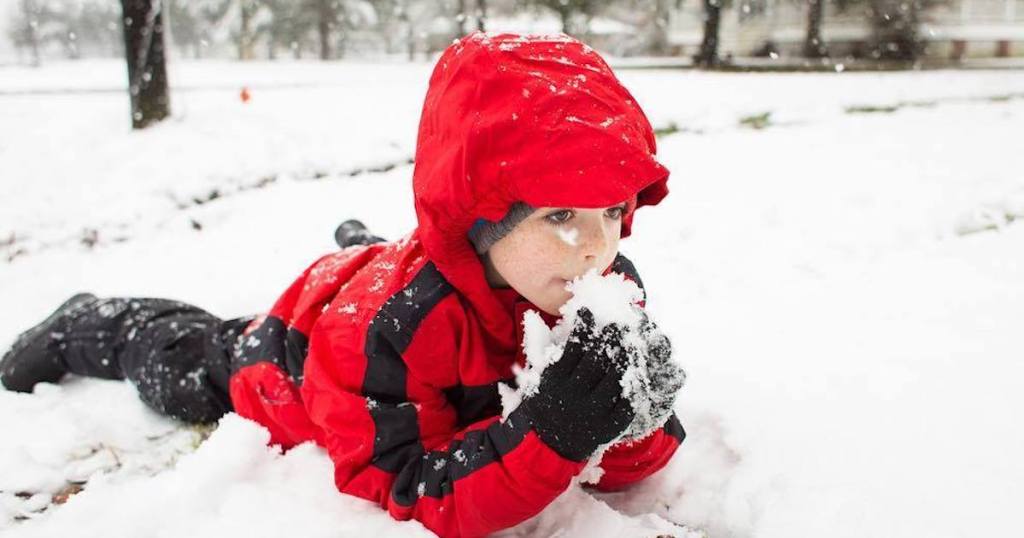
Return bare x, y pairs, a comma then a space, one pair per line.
650, 382
651, 379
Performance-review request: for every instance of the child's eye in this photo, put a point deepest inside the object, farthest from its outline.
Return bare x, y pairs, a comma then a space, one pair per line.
615, 212
560, 217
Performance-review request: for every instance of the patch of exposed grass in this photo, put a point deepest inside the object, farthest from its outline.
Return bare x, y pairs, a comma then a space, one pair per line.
671, 128
872, 109
757, 121
887, 109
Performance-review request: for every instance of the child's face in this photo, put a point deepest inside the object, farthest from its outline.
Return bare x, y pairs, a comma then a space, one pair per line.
551, 247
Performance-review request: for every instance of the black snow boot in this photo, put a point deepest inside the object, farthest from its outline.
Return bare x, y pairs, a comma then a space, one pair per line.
33, 358
352, 232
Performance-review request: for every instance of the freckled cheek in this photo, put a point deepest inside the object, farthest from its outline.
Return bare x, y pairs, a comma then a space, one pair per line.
613, 234
553, 257
613, 249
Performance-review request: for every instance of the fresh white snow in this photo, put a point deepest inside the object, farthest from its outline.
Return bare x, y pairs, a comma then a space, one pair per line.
844, 289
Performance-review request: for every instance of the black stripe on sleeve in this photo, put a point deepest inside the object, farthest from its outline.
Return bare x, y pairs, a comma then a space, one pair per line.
434, 474
396, 438
295, 350
474, 402
396, 429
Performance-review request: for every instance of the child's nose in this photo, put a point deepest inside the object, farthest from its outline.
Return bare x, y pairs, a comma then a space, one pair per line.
593, 242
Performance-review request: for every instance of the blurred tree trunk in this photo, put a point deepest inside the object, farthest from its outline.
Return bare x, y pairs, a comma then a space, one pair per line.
565, 15
324, 30
410, 38
144, 52
341, 46
31, 24
575, 16
246, 39
325, 23
460, 18
659, 38
813, 46
707, 56
895, 32
481, 15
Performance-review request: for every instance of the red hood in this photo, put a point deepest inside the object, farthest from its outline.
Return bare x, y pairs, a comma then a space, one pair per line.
538, 119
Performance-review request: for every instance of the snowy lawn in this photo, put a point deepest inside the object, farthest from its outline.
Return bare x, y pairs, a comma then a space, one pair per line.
840, 267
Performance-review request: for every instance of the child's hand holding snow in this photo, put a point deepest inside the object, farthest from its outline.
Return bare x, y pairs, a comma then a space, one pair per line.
578, 404
631, 344
652, 380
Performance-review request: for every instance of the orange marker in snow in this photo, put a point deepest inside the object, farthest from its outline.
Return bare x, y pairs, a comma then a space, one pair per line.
244, 94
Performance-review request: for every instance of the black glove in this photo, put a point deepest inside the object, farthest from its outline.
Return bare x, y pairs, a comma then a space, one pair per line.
579, 405
658, 381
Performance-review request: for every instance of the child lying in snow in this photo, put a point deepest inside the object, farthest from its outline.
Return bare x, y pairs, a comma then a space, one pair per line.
531, 159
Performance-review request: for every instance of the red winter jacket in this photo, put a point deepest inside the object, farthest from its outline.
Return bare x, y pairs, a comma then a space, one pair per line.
389, 355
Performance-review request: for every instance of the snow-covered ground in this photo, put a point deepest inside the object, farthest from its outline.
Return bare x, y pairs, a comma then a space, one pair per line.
845, 287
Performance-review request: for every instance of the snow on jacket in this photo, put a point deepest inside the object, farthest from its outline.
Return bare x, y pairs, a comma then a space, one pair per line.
389, 355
